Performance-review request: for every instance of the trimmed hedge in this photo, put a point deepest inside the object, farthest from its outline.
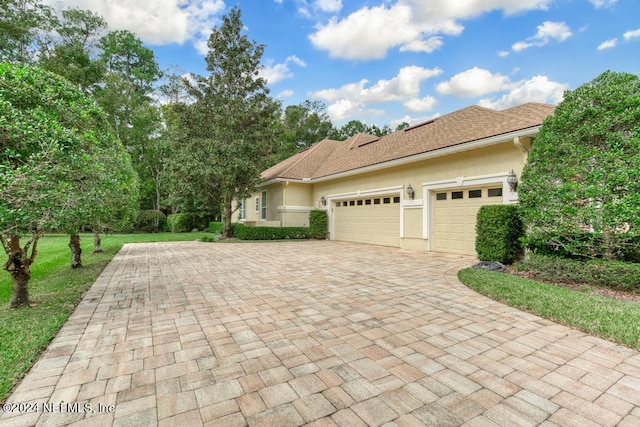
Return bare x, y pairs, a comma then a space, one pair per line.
216, 227
611, 274
583, 242
318, 223
498, 234
180, 222
151, 221
244, 232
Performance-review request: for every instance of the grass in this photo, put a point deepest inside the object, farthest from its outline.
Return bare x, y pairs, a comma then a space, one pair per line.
608, 318
54, 290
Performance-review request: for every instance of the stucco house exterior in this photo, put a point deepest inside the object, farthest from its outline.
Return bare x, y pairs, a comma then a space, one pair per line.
419, 188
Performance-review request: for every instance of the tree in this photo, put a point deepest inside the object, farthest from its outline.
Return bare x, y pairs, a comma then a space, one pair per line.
354, 127
229, 131
303, 126
580, 189
21, 23
51, 137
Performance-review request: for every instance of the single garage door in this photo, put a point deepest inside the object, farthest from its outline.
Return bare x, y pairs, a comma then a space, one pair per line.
373, 220
455, 214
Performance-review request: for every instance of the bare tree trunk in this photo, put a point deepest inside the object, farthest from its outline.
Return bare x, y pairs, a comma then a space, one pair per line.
226, 218
97, 242
19, 266
76, 251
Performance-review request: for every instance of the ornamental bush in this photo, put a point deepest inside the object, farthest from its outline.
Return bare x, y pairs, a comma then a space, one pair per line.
580, 188
498, 233
151, 221
318, 223
244, 232
215, 227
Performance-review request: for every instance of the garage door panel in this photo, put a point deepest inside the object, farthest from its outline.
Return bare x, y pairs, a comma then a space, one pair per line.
372, 224
454, 225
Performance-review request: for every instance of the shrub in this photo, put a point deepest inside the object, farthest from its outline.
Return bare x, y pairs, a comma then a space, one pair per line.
180, 222
243, 232
584, 245
151, 221
498, 234
215, 227
600, 272
318, 224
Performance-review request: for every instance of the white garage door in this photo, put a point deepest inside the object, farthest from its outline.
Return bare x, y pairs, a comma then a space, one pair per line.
455, 214
373, 220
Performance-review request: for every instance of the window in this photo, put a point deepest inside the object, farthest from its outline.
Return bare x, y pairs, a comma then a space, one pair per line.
359, 202
263, 215
352, 202
441, 196
257, 204
345, 203
367, 202
376, 201
386, 200
396, 199
495, 192
457, 194
474, 194
242, 209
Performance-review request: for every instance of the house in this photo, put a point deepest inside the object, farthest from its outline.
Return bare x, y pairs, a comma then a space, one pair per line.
419, 188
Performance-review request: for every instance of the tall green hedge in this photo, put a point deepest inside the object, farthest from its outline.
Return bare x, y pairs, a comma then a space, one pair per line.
499, 232
318, 223
244, 232
151, 221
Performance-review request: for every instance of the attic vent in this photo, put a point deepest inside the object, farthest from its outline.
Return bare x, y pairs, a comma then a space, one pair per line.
365, 142
419, 125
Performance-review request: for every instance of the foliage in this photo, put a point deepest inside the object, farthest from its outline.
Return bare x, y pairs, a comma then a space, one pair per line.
607, 318
544, 244
21, 21
180, 222
303, 126
244, 232
599, 272
498, 233
228, 133
215, 227
151, 221
318, 223
355, 127
583, 173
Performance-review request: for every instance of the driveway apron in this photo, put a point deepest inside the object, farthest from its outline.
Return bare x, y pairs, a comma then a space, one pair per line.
318, 333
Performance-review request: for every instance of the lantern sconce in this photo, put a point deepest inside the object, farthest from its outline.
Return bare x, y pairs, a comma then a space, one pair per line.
323, 201
512, 180
410, 192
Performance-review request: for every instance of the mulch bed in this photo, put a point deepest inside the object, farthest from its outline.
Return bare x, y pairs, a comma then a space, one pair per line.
619, 294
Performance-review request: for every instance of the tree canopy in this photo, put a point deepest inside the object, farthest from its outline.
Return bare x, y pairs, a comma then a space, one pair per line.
580, 189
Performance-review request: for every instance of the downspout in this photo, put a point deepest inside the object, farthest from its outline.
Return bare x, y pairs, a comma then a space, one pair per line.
284, 203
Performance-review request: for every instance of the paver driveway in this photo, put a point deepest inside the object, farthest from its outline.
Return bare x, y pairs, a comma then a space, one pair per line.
326, 333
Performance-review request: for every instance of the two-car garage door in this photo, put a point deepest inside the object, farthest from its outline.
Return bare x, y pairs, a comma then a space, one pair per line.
455, 214
373, 220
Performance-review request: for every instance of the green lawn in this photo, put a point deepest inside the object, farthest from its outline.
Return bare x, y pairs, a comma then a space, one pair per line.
54, 290
608, 318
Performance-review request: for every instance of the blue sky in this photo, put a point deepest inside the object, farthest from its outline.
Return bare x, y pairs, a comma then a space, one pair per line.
388, 61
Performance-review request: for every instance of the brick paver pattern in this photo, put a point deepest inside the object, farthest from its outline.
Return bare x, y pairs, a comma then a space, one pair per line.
318, 333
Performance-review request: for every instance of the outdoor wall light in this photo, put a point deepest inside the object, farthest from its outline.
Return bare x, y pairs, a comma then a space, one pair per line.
323, 201
512, 180
410, 192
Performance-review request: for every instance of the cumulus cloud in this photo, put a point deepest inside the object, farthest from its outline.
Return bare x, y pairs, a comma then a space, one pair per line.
417, 105
275, 73
608, 44
410, 25
331, 6
547, 32
599, 4
536, 89
344, 109
474, 82
157, 22
632, 34
287, 93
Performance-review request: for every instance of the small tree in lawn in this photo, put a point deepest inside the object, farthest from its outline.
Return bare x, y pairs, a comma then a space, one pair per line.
580, 189
229, 131
50, 135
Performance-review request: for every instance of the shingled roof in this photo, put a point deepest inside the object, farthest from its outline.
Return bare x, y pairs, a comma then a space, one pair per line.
470, 124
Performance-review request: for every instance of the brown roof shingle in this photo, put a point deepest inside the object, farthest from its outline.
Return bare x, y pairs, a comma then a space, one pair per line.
470, 124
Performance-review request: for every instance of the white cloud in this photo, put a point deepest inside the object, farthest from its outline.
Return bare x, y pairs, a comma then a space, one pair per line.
288, 93
632, 34
417, 105
278, 72
157, 22
404, 86
330, 6
598, 4
608, 44
474, 82
503, 53
344, 109
412, 120
547, 32
409, 25
536, 89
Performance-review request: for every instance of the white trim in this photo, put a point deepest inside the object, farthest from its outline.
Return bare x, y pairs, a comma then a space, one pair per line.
428, 223
294, 209
409, 204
